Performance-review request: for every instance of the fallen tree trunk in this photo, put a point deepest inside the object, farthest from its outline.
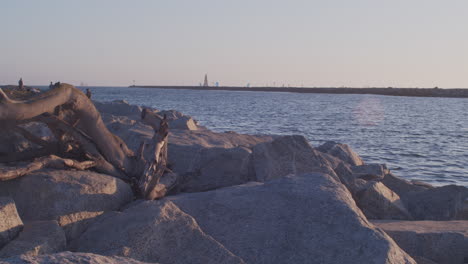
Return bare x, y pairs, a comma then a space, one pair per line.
77, 124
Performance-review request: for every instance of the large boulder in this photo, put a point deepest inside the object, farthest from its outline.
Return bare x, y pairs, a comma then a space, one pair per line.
401, 186
37, 238
288, 155
206, 160
119, 108
218, 167
444, 242
294, 219
69, 258
10, 222
342, 152
153, 231
441, 203
379, 202
70, 197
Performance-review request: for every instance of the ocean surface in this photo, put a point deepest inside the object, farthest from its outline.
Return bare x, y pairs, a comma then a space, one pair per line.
418, 138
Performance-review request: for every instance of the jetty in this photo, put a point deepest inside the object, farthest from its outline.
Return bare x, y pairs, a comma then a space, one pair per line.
418, 92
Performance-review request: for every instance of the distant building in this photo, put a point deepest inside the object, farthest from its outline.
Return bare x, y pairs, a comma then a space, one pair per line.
205, 82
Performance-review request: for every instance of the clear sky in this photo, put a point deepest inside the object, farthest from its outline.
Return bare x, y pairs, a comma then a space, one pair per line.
359, 43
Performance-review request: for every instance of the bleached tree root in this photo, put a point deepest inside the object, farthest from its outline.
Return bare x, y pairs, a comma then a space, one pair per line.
52, 161
80, 131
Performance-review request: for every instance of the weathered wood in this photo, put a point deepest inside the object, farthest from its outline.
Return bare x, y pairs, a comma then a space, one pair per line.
111, 147
80, 131
155, 166
52, 161
87, 146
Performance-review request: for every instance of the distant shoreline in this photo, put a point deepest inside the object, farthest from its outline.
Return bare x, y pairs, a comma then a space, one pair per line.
415, 92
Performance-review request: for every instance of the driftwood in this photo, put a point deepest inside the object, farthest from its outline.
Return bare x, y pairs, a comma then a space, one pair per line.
82, 140
52, 161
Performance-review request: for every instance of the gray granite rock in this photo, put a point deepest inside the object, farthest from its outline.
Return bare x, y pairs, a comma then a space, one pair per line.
69, 258
10, 222
443, 242
401, 186
216, 168
345, 174
206, 160
342, 152
153, 231
441, 203
295, 219
37, 238
370, 171
70, 197
203, 159
184, 122
119, 108
288, 155
379, 202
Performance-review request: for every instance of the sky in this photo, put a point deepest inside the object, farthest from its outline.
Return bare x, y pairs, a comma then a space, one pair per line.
310, 43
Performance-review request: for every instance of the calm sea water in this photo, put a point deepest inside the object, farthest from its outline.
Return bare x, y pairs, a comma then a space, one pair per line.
418, 138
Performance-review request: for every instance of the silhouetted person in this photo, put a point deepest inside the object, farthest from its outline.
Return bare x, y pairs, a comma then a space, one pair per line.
51, 85
20, 84
88, 93
57, 84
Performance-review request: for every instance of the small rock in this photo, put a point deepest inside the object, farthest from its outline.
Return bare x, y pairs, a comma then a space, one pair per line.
171, 114
401, 186
379, 202
185, 123
370, 171
165, 185
360, 185
346, 175
341, 151
10, 222
37, 238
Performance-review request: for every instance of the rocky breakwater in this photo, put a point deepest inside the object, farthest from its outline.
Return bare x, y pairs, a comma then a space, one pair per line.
236, 199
